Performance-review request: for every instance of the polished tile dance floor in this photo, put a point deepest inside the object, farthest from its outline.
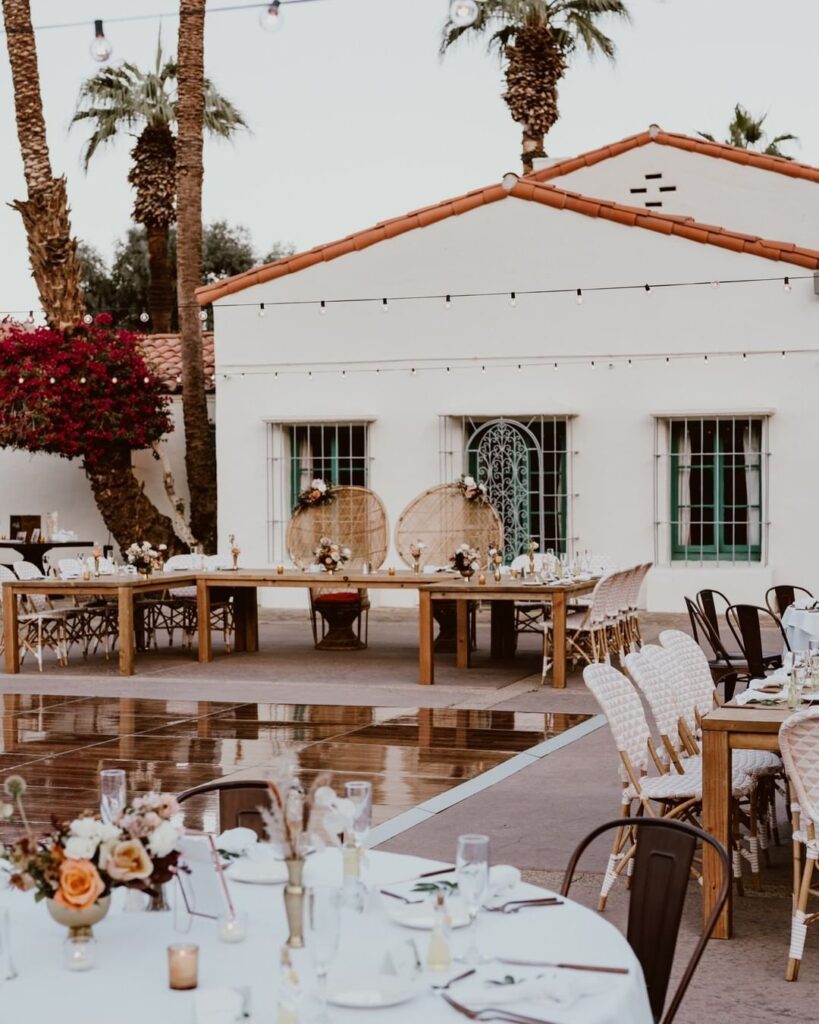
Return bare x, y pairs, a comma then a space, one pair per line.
59, 744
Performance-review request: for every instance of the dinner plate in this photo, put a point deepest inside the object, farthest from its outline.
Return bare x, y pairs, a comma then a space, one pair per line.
422, 915
257, 872
371, 991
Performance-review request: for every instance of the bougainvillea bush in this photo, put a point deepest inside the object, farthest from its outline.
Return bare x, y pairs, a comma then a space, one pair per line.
88, 394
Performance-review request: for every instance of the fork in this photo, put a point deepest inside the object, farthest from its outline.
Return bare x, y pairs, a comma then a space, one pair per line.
492, 1013
398, 896
458, 977
517, 905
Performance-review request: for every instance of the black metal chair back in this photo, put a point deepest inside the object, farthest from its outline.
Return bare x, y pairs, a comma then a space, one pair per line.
722, 665
239, 801
662, 866
713, 604
781, 597
745, 622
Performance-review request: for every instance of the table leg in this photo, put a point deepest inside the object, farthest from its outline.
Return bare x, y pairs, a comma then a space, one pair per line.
462, 635
12, 640
503, 639
716, 820
426, 662
205, 641
251, 619
125, 607
558, 640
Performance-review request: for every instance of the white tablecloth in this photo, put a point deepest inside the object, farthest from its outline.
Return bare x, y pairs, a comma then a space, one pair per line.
129, 984
800, 626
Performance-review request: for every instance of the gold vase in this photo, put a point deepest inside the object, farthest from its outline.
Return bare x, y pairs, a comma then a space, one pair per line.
294, 902
79, 922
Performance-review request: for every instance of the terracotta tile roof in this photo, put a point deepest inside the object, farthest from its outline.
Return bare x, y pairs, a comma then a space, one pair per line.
163, 353
530, 188
718, 150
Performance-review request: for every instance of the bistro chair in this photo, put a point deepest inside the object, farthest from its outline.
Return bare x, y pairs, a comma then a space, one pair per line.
27, 571
663, 861
589, 632
799, 743
39, 626
239, 802
714, 604
781, 597
745, 622
723, 669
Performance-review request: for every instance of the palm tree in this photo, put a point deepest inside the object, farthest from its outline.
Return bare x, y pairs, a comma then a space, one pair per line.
126, 97
52, 251
746, 132
536, 39
200, 451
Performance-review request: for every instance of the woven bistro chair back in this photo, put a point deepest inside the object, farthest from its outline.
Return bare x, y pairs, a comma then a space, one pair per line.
356, 519
441, 518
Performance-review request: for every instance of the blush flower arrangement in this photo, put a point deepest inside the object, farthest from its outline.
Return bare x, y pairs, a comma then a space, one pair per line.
471, 489
320, 492
144, 557
79, 862
330, 555
465, 559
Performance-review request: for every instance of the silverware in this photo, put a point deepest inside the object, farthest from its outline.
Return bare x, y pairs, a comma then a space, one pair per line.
513, 906
492, 1013
398, 896
440, 871
565, 967
458, 977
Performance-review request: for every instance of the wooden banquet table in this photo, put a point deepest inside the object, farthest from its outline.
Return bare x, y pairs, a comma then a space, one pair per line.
123, 588
129, 983
33, 551
731, 727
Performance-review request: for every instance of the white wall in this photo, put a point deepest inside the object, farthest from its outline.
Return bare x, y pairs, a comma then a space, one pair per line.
713, 191
516, 245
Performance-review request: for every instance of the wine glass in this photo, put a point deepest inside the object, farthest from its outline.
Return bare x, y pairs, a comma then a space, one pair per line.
361, 796
322, 928
472, 864
112, 794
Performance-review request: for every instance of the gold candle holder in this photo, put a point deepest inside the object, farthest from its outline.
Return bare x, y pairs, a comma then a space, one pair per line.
183, 966
391, 570
482, 580
279, 570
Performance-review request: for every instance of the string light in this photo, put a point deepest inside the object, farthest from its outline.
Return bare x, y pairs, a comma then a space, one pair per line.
144, 316
715, 284
513, 299
270, 19
323, 308
786, 286
20, 380
463, 13
203, 315
82, 380
88, 319
115, 380
261, 309
648, 287
52, 380
580, 296
100, 48
30, 317
448, 302
385, 306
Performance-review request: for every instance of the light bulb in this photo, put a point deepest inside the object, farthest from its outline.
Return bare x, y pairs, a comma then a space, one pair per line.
787, 285
144, 317
82, 380
323, 308
203, 315
100, 48
115, 380
448, 302
580, 296
30, 317
648, 287
513, 299
146, 380
261, 309
715, 284
270, 19
52, 380
385, 306
88, 319
19, 380
463, 13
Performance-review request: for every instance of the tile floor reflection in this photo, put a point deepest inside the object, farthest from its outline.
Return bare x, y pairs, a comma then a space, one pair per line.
60, 744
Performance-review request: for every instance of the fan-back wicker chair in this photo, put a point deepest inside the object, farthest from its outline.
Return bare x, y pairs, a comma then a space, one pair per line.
442, 519
357, 519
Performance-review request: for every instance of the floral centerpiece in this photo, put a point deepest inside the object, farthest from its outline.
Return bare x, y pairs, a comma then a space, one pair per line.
144, 557
495, 562
320, 492
235, 550
77, 863
296, 820
471, 489
330, 555
417, 548
530, 551
465, 560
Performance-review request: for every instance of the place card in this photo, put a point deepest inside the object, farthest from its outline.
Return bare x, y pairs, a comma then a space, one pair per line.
203, 884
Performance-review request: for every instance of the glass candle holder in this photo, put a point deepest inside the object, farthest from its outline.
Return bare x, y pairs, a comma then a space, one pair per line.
279, 570
79, 953
183, 966
232, 927
391, 570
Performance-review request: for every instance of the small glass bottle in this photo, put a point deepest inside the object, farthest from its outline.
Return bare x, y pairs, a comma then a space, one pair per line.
353, 891
439, 955
793, 690
287, 1007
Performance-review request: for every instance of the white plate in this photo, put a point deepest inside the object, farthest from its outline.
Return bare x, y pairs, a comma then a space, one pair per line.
257, 872
371, 991
421, 915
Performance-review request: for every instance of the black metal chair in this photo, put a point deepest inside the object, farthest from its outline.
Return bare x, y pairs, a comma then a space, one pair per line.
239, 801
781, 597
708, 602
662, 867
723, 669
745, 622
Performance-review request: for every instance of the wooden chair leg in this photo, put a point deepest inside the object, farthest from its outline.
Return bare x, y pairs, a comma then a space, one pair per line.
799, 928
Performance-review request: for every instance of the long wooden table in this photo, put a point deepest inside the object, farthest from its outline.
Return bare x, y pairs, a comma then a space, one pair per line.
463, 592
725, 729
124, 589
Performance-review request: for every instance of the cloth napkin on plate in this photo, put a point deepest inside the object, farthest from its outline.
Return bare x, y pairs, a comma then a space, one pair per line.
530, 984
219, 1006
755, 696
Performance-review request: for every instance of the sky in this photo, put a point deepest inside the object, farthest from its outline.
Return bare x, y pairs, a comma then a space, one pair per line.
354, 118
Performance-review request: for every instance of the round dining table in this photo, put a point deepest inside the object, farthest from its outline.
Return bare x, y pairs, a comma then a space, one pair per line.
801, 625
129, 982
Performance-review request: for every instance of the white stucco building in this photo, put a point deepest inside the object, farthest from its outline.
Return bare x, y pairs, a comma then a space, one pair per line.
660, 424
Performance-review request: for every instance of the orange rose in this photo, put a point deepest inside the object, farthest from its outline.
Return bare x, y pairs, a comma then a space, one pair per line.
80, 884
126, 861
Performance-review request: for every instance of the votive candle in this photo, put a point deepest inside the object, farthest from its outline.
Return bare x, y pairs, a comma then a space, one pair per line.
232, 928
279, 570
183, 966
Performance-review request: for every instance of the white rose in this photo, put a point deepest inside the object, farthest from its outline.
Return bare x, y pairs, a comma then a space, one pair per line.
237, 840
108, 833
163, 839
80, 847
87, 828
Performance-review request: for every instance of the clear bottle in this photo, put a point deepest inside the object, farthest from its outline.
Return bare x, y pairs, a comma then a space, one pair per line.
287, 1007
439, 955
793, 690
354, 893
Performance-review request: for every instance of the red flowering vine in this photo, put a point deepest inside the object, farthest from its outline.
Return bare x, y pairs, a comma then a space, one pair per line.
79, 395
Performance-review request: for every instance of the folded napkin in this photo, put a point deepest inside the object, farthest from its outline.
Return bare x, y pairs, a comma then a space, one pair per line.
503, 877
492, 986
750, 696
219, 1006
236, 840
803, 604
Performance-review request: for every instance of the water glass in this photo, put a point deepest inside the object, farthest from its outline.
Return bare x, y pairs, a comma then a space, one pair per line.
472, 866
361, 796
8, 972
322, 926
113, 794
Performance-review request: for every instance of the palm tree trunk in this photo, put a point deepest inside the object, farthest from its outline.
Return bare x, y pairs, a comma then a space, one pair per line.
128, 514
52, 251
160, 287
200, 452
532, 148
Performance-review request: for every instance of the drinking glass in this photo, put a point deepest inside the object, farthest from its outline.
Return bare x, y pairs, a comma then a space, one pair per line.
472, 864
8, 972
112, 794
361, 796
322, 927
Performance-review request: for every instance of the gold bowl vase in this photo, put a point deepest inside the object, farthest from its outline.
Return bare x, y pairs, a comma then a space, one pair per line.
79, 922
